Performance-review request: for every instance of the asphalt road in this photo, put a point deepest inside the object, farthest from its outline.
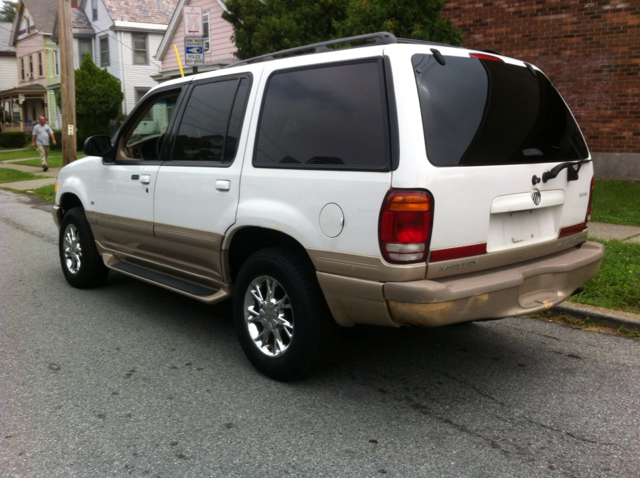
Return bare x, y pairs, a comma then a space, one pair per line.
130, 380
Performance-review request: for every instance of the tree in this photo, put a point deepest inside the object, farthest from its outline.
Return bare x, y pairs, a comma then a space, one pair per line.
264, 26
416, 19
8, 11
98, 98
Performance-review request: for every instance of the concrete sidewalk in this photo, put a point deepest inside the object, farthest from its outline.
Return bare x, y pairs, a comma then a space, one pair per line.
51, 176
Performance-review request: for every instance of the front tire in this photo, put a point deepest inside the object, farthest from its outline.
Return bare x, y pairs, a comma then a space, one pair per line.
81, 263
283, 322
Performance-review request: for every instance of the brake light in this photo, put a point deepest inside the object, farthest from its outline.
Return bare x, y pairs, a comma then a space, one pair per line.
482, 56
405, 226
587, 218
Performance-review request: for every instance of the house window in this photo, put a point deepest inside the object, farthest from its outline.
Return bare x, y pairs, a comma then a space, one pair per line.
205, 30
56, 66
140, 92
22, 67
84, 47
40, 70
104, 50
94, 10
30, 66
140, 48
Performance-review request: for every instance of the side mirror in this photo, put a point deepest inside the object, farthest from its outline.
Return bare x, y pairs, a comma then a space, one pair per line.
99, 145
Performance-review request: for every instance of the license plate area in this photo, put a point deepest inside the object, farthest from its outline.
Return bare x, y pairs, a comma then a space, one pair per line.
509, 230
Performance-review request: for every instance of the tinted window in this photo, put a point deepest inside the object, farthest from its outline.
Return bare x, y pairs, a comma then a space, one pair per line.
485, 112
325, 117
204, 123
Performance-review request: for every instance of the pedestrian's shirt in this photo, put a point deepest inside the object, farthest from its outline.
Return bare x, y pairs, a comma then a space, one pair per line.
42, 134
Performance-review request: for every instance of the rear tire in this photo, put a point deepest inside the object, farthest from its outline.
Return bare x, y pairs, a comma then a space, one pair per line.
81, 263
282, 319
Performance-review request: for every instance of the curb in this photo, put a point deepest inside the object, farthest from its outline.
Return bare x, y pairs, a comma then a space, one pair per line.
608, 318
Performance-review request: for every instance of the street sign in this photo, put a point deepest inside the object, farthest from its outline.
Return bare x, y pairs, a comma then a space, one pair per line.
192, 20
194, 51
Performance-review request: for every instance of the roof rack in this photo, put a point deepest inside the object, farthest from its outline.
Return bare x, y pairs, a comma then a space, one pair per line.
379, 38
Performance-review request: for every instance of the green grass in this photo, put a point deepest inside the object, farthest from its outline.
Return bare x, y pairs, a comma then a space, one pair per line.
48, 193
11, 175
617, 285
53, 161
24, 153
616, 202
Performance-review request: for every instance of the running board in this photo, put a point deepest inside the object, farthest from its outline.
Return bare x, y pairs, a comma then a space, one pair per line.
204, 294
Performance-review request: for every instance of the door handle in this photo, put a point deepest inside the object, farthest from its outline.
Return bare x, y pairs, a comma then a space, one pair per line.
145, 178
223, 185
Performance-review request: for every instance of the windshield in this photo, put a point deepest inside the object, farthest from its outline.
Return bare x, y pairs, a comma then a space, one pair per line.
484, 112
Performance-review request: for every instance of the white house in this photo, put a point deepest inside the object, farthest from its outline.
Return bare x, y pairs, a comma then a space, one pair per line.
123, 36
8, 70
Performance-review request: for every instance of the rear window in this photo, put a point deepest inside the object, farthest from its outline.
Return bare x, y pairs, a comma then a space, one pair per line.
478, 112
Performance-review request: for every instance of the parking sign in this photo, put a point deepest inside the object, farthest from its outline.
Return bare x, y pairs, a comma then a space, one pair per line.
194, 51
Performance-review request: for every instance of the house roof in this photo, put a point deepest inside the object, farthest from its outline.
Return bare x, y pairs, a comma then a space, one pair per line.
5, 39
147, 11
42, 13
80, 19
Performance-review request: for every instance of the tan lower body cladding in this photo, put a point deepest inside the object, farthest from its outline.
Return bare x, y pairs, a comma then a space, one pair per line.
518, 289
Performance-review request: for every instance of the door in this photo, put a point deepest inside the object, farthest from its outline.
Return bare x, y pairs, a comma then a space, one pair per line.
125, 188
197, 190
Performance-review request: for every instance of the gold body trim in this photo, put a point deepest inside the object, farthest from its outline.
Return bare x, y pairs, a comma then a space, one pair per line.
517, 289
189, 254
364, 267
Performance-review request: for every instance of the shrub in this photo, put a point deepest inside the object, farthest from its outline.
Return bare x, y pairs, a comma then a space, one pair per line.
14, 139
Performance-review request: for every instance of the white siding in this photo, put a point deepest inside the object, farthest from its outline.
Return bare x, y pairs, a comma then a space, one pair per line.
121, 56
103, 26
137, 76
8, 72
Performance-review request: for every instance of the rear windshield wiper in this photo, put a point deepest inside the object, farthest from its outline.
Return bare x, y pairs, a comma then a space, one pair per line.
572, 173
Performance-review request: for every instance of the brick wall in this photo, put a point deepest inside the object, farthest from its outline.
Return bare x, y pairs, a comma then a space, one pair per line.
589, 49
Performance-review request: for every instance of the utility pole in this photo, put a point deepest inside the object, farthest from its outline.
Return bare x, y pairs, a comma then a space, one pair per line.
67, 82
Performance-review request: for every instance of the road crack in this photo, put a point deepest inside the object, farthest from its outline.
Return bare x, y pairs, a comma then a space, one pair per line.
473, 387
564, 432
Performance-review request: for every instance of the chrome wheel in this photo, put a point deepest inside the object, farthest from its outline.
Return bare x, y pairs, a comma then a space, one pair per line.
72, 249
268, 316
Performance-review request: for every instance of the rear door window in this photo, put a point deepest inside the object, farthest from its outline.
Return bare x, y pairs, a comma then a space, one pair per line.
211, 122
479, 112
325, 117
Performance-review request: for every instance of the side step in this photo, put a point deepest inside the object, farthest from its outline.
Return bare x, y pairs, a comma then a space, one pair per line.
168, 281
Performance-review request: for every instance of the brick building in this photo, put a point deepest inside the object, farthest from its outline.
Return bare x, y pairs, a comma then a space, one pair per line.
590, 50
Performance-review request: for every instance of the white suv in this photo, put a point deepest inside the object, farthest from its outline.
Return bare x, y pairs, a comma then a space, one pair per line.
396, 182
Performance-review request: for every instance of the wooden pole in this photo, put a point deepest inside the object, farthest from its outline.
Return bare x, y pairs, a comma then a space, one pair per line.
67, 82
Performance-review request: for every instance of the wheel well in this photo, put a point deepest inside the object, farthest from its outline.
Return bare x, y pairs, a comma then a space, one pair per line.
68, 201
251, 239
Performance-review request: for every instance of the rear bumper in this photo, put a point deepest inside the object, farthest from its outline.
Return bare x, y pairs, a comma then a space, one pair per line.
518, 289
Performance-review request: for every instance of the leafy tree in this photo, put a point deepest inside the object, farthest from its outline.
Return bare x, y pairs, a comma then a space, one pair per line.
416, 19
8, 11
98, 98
264, 26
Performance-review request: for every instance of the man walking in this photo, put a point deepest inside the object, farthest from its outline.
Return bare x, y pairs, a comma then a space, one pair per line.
41, 133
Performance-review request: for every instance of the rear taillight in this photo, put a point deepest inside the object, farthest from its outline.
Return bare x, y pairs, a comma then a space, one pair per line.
405, 226
587, 218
